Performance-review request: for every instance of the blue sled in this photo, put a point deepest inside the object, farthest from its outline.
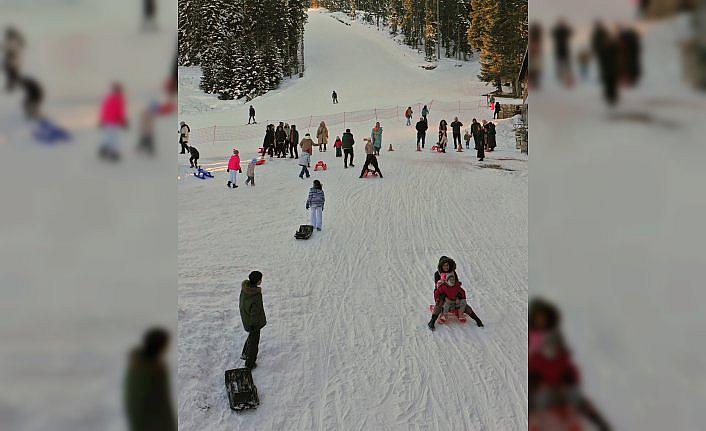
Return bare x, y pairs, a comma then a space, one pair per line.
50, 133
202, 174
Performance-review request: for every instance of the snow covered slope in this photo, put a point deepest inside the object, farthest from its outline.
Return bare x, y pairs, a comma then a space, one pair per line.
346, 346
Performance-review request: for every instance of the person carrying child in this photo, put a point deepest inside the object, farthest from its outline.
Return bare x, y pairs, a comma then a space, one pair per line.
315, 202
251, 172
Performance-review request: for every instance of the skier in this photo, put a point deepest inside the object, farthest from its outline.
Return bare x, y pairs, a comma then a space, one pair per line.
334, 97
194, 159
268, 144
251, 172
12, 47
337, 145
562, 51
316, 201
280, 141
34, 94
184, 132
425, 112
370, 159
147, 396
252, 314
408, 115
443, 138
489, 129
251, 116
149, 9
112, 119
322, 136
376, 137
293, 142
496, 111
456, 127
421, 127
234, 168
347, 143
445, 267
478, 138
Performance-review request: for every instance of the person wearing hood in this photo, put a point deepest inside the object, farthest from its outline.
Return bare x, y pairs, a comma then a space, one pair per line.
184, 131
146, 390
376, 137
315, 201
322, 136
234, 168
338, 144
446, 267
293, 142
421, 127
479, 139
251, 172
252, 314
280, 141
268, 143
251, 115
347, 143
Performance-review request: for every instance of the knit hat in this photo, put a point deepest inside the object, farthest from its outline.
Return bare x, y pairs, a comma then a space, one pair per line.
255, 277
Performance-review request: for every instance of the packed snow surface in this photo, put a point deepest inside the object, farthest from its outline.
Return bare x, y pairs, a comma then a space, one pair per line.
346, 345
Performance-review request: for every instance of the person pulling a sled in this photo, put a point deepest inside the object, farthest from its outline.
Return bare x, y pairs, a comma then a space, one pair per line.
252, 314
370, 159
446, 267
315, 202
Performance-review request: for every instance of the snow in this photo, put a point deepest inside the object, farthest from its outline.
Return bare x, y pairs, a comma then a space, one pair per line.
346, 345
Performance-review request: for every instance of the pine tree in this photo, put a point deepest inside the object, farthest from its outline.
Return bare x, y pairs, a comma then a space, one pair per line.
431, 37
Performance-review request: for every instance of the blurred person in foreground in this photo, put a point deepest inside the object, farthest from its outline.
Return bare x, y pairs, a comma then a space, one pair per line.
607, 52
12, 53
149, 11
556, 401
113, 118
147, 393
535, 55
562, 52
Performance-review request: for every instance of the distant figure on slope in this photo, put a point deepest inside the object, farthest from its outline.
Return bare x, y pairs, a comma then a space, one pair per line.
315, 202
489, 129
34, 95
446, 268
338, 146
145, 143
184, 132
252, 314
408, 115
13, 45
347, 145
370, 159
234, 169
456, 128
376, 137
425, 112
268, 144
334, 97
147, 394
112, 118
194, 159
251, 172
479, 139
322, 136
251, 116
293, 142
421, 127
149, 10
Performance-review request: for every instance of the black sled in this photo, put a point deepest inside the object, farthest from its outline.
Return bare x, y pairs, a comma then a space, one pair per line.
242, 392
304, 231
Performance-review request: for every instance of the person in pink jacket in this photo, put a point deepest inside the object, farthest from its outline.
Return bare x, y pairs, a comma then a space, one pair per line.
234, 168
113, 117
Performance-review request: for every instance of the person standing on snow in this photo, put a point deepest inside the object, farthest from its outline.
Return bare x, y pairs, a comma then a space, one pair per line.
12, 47
370, 159
293, 142
347, 143
184, 132
421, 127
478, 138
467, 137
280, 141
251, 116
425, 112
443, 127
112, 119
496, 112
322, 136
334, 97
149, 10
288, 132
337, 145
408, 115
316, 201
562, 51
252, 314
251, 172
456, 128
376, 137
490, 135
307, 146
234, 168
34, 94
268, 144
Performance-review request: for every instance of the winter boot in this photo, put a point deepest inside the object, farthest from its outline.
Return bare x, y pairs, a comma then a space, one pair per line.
229, 183
432, 321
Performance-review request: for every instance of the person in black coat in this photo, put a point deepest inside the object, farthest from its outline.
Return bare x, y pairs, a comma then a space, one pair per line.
478, 139
562, 51
496, 111
194, 159
421, 127
294, 142
34, 94
334, 97
149, 10
630, 54
490, 135
280, 141
456, 128
251, 116
608, 62
268, 143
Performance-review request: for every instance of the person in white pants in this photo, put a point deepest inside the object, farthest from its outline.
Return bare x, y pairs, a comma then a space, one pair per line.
316, 201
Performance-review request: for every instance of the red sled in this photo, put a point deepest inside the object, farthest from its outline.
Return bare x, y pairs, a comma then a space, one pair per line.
320, 165
371, 173
437, 148
454, 312
260, 162
261, 150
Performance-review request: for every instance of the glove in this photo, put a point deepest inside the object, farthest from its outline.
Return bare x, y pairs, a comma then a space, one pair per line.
240, 171
227, 170
307, 206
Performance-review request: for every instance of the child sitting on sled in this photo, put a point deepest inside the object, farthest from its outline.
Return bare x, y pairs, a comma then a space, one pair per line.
446, 273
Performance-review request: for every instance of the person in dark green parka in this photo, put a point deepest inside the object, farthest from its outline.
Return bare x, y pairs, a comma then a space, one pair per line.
147, 395
252, 313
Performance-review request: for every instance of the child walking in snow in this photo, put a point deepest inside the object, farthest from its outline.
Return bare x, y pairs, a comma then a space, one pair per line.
234, 168
315, 201
467, 138
337, 145
304, 163
251, 172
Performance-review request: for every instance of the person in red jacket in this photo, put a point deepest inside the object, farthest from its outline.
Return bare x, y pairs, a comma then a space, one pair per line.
446, 267
234, 168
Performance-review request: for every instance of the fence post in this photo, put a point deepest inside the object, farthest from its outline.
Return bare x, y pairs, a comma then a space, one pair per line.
344, 120
398, 111
214, 135
311, 117
376, 114
459, 108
